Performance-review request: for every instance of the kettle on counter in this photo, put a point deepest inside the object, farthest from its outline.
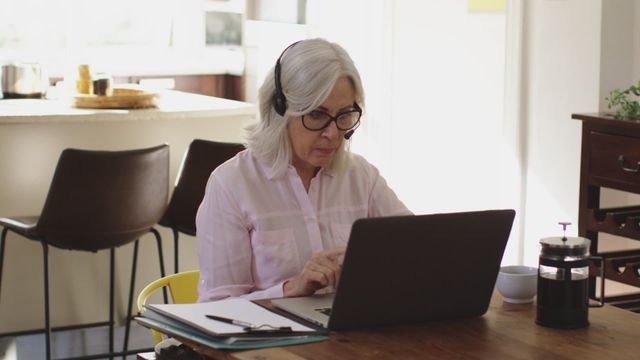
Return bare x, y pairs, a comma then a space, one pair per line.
563, 282
23, 80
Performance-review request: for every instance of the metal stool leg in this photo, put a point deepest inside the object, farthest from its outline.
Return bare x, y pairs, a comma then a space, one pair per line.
175, 250
132, 285
47, 325
112, 262
161, 260
131, 289
3, 239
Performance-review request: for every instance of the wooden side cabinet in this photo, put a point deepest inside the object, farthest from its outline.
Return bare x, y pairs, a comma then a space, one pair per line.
610, 158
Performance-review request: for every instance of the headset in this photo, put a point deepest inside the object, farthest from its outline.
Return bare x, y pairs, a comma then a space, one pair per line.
279, 99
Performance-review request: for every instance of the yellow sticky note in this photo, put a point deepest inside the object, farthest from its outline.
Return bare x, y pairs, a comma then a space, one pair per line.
486, 5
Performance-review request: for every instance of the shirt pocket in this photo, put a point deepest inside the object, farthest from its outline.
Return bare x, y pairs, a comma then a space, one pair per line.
340, 234
276, 254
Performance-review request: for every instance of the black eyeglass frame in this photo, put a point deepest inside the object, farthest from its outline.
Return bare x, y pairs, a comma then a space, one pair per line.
356, 108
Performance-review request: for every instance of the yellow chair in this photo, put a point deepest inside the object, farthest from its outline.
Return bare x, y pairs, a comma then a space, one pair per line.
183, 288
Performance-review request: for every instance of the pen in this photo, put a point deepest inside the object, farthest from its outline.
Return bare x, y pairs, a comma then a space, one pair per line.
250, 327
230, 321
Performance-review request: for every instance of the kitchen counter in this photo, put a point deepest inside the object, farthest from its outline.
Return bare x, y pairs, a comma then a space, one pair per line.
33, 133
171, 105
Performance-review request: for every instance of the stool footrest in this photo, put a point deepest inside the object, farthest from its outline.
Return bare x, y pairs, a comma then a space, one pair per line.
54, 329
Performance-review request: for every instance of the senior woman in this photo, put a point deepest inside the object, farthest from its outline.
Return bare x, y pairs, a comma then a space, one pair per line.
276, 218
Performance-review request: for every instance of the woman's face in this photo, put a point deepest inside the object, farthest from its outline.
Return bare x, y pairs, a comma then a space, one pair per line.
315, 149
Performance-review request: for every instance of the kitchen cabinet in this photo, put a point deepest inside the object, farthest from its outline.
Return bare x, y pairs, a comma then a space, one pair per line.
219, 85
610, 158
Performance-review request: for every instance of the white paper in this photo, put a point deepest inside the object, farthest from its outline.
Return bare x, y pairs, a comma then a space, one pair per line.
234, 308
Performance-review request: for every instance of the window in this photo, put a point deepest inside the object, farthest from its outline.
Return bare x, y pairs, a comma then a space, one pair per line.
223, 28
126, 37
36, 25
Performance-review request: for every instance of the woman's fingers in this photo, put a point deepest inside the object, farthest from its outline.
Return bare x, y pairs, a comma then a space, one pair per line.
336, 253
326, 263
322, 270
320, 277
318, 273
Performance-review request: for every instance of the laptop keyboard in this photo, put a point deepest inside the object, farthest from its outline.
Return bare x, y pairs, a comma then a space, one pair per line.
326, 311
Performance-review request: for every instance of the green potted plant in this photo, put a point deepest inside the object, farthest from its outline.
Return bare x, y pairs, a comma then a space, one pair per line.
626, 108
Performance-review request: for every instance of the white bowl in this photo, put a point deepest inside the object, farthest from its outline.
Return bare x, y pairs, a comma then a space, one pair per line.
518, 284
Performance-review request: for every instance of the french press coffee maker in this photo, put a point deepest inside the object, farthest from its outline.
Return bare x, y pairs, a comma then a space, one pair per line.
563, 282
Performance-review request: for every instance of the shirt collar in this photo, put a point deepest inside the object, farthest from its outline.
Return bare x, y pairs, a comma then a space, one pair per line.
327, 171
271, 172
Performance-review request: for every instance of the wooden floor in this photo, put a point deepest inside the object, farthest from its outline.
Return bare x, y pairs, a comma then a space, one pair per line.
73, 343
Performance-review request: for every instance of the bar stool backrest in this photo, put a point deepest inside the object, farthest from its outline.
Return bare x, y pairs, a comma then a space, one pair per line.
103, 199
202, 157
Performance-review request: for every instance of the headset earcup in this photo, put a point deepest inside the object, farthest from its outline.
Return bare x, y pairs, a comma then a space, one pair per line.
279, 100
279, 103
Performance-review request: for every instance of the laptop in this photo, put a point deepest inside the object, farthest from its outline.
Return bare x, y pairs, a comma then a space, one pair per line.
410, 269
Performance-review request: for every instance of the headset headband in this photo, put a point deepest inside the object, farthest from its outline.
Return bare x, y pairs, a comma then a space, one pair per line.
279, 100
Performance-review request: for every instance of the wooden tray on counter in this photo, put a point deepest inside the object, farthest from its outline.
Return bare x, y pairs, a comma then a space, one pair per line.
122, 98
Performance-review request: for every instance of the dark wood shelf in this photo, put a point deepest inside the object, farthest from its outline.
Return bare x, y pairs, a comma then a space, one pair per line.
629, 302
620, 221
620, 266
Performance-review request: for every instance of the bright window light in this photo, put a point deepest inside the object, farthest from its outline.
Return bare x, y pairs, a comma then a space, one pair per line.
124, 37
73, 24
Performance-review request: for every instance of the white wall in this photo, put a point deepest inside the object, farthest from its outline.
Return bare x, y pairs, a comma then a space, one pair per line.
369, 43
264, 42
434, 81
616, 57
436, 123
562, 67
447, 108
636, 42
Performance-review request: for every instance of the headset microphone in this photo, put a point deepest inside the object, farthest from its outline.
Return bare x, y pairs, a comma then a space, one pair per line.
349, 133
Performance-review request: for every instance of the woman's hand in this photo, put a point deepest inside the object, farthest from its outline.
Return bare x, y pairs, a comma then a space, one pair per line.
322, 270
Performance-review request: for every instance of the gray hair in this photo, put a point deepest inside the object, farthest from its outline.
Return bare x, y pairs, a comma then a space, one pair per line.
309, 70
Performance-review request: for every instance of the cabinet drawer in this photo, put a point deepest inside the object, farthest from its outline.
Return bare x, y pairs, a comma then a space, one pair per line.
614, 158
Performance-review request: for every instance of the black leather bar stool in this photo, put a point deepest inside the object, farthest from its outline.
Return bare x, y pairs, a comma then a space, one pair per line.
202, 157
98, 200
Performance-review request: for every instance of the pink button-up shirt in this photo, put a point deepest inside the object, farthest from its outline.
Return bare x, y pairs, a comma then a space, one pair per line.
256, 230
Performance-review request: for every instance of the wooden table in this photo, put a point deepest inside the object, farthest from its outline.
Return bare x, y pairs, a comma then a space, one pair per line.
506, 331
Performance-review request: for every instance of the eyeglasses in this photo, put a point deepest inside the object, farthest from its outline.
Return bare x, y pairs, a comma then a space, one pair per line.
346, 120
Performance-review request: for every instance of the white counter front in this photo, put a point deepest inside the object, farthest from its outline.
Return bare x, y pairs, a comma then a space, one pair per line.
33, 133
